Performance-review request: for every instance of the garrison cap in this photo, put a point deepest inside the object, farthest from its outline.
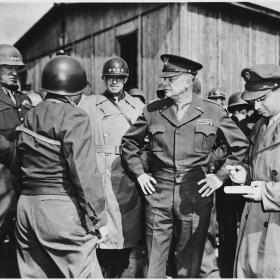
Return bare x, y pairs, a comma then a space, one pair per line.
260, 79
174, 65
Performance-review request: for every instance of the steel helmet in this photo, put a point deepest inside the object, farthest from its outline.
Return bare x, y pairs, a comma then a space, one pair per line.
216, 92
236, 100
9, 55
115, 66
64, 75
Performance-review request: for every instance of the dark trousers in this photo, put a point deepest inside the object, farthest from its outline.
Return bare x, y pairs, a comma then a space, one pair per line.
177, 210
229, 210
113, 262
8, 256
209, 266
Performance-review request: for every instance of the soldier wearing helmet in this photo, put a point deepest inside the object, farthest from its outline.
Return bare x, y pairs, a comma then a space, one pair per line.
237, 106
242, 112
217, 94
61, 207
111, 114
13, 106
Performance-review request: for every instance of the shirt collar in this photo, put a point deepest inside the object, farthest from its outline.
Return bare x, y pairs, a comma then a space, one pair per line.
110, 95
275, 118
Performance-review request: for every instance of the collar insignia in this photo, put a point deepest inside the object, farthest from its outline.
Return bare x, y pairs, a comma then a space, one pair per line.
166, 60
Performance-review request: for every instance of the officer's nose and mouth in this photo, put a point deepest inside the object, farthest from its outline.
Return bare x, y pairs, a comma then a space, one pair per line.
167, 87
258, 106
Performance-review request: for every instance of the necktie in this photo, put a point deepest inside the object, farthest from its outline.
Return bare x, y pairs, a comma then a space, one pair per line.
10, 94
181, 110
271, 121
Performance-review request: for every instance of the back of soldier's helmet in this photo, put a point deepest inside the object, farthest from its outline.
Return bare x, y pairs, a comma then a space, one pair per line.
64, 75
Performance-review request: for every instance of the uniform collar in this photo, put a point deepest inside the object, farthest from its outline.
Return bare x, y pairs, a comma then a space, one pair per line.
112, 97
263, 137
274, 119
195, 110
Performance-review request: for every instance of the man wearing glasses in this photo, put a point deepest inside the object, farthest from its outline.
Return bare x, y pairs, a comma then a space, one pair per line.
258, 247
182, 129
111, 114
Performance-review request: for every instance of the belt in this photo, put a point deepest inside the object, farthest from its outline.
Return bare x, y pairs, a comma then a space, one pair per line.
182, 177
38, 190
110, 149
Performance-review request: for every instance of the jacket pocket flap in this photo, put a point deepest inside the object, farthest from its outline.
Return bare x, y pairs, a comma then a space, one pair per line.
205, 129
157, 128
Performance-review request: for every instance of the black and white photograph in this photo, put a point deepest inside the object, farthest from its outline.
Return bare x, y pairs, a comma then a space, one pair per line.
139, 139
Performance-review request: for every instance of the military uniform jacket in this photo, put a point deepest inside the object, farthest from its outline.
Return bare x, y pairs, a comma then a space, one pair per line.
179, 146
123, 203
258, 247
71, 167
11, 115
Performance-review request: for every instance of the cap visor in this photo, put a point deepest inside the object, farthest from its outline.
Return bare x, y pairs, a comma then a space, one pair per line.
249, 95
169, 74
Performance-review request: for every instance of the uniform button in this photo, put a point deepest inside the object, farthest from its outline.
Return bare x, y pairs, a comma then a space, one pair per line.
105, 135
265, 224
19, 109
21, 119
274, 172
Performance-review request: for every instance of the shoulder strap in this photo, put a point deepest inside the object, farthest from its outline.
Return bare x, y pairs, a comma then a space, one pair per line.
119, 108
38, 136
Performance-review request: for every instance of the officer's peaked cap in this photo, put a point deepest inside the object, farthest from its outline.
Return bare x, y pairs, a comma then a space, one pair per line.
260, 79
174, 65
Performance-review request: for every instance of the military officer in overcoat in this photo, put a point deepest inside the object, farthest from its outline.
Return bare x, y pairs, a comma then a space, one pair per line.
13, 107
258, 246
111, 114
182, 129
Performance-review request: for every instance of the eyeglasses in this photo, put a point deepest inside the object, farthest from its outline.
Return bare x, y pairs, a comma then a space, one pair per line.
117, 79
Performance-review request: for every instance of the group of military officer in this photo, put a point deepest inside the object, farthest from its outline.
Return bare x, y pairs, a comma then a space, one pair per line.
82, 170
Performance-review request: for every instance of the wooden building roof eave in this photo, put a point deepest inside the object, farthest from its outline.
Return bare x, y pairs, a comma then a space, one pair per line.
57, 6
257, 9
251, 7
45, 17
